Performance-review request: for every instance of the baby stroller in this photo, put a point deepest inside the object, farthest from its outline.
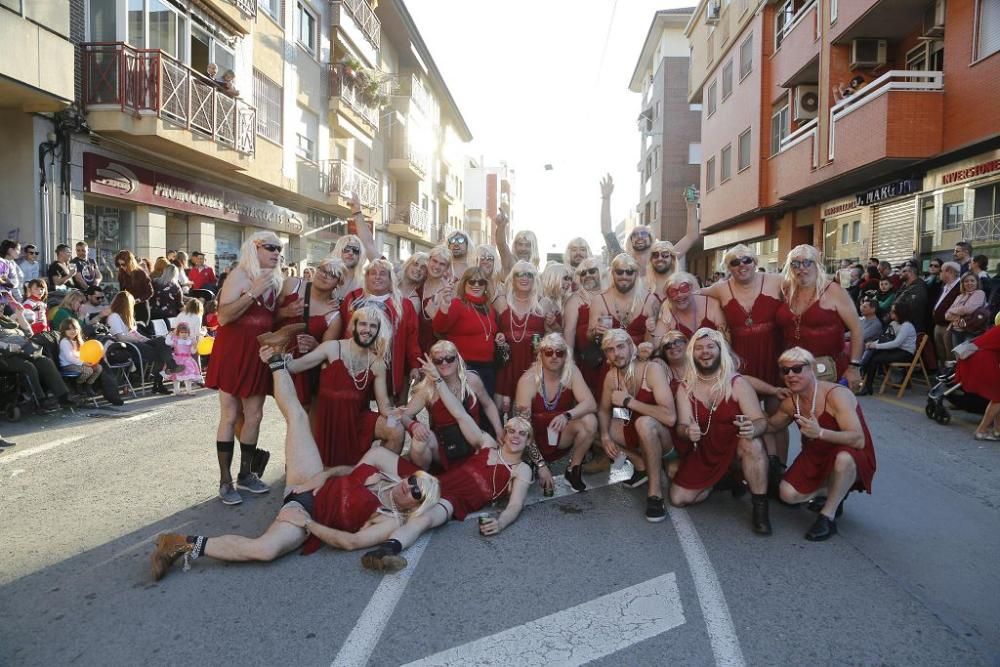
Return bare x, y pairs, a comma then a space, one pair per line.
949, 390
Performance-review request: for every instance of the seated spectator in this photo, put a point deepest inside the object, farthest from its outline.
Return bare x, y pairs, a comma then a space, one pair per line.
854, 285
167, 297
69, 308
35, 305
871, 325
11, 276
60, 272
94, 307
86, 272
30, 266
154, 351
969, 300
19, 355
69, 356
871, 281
900, 349
886, 297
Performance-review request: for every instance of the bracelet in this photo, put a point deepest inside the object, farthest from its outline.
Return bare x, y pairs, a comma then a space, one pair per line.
856, 364
820, 436
628, 399
409, 427
569, 415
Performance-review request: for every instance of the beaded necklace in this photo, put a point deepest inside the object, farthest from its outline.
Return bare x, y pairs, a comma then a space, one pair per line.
798, 411
550, 406
349, 365
514, 324
711, 410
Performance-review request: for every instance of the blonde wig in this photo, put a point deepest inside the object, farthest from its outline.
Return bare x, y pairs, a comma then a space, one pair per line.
447, 348
524, 425
554, 341
626, 261
801, 252
383, 339
723, 385
552, 283
440, 252
430, 493
637, 229
508, 286
578, 242
336, 266
418, 258
592, 263
251, 265
358, 273
738, 250
529, 236
613, 338
661, 246
394, 294
488, 252
797, 355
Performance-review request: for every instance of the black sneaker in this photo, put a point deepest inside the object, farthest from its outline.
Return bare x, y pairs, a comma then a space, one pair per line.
574, 475
638, 478
655, 512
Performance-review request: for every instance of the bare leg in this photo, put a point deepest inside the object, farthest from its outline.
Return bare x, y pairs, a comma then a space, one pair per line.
679, 496
302, 459
651, 434
422, 451
391, 436
578, 434
230, 411
753, 461
845, 472
988, 423
776, 443
279, 539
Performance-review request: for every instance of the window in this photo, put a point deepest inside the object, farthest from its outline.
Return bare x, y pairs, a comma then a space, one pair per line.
856, 231
694, 153
306, 135
694, 107
306, 24
746, 57
987, 28
711, 101
927, 215
726, 158
833, 11
987, 201
727, 79
267, 97
743, 151
272, 8
953, 214
710, 174
779, 125
845, 231
710, 48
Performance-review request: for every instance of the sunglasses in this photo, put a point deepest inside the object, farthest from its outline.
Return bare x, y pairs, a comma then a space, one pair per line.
624, 272
593, 271
450, 359
490, 259
933, 266
664, 254
415, 488
32, 252
271, 247
559, 354
476, 282
524, 274
736, 261
326, 274
683, 288
352, 248
802, 263
457, 240
641, 235
785, 370
676, 342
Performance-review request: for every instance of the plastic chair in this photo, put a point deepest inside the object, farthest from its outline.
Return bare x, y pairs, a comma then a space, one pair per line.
160, 327
122, 369
910, 366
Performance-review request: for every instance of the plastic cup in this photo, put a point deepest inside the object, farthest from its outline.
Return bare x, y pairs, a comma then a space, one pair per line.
553, 437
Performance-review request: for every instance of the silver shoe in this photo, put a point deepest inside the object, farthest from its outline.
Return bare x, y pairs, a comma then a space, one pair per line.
229, 495
251, 482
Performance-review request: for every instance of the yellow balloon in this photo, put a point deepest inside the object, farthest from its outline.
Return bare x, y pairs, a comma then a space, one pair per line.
91, 352
205, 346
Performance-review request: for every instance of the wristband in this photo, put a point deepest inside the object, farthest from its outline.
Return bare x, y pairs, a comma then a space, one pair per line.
569, 415
856, 364
628, 399
409, 427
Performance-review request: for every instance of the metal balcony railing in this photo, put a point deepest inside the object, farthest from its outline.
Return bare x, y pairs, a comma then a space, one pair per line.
414, 217
985, 228
346, 89
403, 149
246, 7
364, 16
337, 177
148, 81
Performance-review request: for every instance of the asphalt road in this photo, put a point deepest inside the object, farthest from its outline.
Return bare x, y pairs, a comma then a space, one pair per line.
912, 578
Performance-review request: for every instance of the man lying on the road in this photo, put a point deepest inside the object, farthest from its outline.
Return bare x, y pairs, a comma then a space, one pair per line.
838, 454
344, 507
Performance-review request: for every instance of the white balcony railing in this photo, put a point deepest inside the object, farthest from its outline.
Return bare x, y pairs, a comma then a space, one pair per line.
347, 90
337, 177
897, 79
787, 18
802, 134
985, 228
364, 16
403, 149
246, 7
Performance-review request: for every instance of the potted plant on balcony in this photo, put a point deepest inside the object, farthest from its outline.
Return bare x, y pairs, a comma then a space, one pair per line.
349, 67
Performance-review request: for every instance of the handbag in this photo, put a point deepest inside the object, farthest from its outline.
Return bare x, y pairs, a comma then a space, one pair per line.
501, 354
975, 322
592, 355
453, 444
826, 369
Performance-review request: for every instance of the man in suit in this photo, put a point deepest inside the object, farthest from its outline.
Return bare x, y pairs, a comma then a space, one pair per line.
950, 289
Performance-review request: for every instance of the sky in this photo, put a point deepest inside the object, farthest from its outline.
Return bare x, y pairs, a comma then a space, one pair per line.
530, 81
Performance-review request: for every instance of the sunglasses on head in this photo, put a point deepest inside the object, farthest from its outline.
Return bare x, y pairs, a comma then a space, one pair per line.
661, 254
352, 248
683, 288
736, 261
592, 271
524, 274
549, 352
802, 263
458, 240
477, 282
271, 247
415, 488
624, 272
785, 370
450, 359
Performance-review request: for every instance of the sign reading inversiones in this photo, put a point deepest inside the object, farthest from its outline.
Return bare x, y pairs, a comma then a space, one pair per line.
114, 178
882, 193
970, 172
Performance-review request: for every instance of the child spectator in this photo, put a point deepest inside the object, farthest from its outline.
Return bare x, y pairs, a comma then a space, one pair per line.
184, 347
35, 306
69, 356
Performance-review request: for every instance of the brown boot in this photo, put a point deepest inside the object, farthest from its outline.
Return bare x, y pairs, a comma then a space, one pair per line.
600, 463
169, 547
281, 338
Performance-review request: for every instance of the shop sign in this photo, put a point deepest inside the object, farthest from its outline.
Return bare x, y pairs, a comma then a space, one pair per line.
113, 178
981, 169
838, 208
901, 188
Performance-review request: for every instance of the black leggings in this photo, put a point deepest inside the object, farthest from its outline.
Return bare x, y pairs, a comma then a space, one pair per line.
155, 353
881, 358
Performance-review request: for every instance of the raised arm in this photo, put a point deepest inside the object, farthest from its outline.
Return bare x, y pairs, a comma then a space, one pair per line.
506, 257
684, 244
470, 429
361, 227
610, 240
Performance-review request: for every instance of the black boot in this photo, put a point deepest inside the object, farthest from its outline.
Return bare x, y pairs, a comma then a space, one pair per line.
574, 475
761, 520
159, 387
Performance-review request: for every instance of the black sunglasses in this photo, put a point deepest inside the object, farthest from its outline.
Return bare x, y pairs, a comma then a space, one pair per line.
736, 261
415, 488
785, 370
271, 247
31, 252
476, 282
658, 254
593, 271
624, 272
675, 342
352, 248
802, 263
524, 274
450, 359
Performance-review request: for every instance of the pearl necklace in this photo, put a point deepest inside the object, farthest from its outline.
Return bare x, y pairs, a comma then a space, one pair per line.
514, 324
510, 470
798, 411
349, 365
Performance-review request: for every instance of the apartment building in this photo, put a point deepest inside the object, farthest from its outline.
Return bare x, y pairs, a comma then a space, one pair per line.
176, 159
488, 187
864, 127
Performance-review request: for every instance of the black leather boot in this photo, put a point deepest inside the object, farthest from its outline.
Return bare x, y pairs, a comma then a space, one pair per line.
761, 520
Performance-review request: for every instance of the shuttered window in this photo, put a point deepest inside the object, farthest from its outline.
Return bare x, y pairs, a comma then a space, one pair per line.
893, 237
267, 97
988, 24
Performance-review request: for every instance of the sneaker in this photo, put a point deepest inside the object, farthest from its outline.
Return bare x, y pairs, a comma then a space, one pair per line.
169, 547
574, 475
638, 478
229, 495
251, 482
655, 512
7, 443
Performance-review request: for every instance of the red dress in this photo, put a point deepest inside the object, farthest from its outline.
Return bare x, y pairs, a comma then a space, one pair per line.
980, 373
757, 344
541, 417
345, 503
710, 458
814, 464
591, 374
439, 418
236, 368
682, 445
636, 328
705, 322
518, 333
818, 330
316, 327
343, 423
474, 484
643, 395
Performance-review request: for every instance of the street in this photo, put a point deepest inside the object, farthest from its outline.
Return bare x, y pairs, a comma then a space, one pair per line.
911, 578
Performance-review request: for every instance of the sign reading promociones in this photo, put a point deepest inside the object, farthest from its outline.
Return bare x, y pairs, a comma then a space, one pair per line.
114, 178
888, 191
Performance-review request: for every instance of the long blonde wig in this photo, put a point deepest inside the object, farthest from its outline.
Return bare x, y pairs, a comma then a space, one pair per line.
611, 339
533, 295
626, 261
552, 283
554, 341
801, 252
661, 246
738, 250
358, 273
529, 236
723, 385
447, 348
382, 345
578, 241
251, 265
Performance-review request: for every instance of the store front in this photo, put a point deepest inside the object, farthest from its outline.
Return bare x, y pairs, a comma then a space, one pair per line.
846, 232
106, 230
893, 219
961, 201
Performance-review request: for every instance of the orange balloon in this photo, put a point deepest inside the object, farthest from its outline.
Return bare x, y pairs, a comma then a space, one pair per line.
91, 352
205, 346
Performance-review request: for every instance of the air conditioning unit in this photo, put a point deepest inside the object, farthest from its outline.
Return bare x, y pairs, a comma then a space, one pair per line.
868, 53
806, 102
934, 19
713, 11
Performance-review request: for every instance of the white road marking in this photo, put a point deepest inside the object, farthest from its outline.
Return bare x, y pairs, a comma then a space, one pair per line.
358, 646
718, 621
616, 475
16, 473
17, 456
577, 635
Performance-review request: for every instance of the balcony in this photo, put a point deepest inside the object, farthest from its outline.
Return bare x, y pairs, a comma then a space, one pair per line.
796, 42
986, 228
894, 120
348, 100
792, 168
165, 106
356, 19
407, 162
409, 221
238, 15
894, 20
339, 179
411, 88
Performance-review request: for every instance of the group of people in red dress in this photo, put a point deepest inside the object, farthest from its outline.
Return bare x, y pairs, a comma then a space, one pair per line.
517, 368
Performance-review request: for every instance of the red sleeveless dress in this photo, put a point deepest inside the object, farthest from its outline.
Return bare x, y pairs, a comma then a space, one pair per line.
474, 484
814, 464
439, 418
343, 423
709, 459
345, 503
315, 327
756, 338
518, 333
643, 395
705, 322
426, 328
541, 417
818, 330
591, 374
636, 329
978, 374
236, 367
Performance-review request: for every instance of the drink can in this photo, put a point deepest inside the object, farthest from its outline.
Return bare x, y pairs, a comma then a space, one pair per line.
483, 518
549, 492
536, 339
